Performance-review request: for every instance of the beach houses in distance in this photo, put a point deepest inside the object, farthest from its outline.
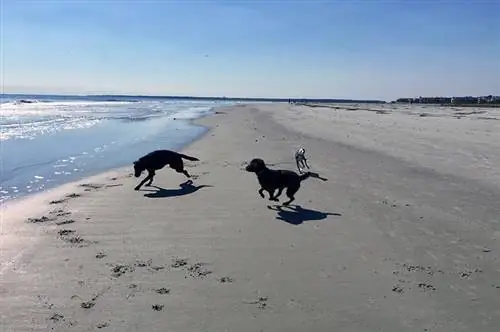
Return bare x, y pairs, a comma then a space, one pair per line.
467, 100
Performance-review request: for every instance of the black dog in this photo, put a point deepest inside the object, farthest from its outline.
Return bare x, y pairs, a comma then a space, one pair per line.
157, 160
270, 180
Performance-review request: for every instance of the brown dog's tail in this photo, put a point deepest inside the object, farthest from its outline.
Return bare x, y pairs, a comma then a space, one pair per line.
188, 157
304, 176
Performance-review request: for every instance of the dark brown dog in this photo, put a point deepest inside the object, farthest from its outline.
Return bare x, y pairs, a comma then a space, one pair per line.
270, 180
158, 159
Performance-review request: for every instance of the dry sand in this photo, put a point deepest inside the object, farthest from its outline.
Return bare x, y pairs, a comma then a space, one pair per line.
403, 237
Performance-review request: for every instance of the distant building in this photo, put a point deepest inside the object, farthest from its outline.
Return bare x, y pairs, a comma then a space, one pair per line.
465, 100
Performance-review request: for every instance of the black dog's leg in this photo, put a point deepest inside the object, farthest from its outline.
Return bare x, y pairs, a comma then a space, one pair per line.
146, 179
178, 166
151, 175
261, 193
278, 194
289, 201
290, 192
271, 196
180, 169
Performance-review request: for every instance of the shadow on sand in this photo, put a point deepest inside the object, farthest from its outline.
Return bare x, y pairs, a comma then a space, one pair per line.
186, 188
296, 214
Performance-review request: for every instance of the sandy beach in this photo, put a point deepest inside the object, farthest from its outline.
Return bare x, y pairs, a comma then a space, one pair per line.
404, 235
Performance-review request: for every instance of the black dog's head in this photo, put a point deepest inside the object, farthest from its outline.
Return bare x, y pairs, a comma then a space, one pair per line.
256, 165
138, 168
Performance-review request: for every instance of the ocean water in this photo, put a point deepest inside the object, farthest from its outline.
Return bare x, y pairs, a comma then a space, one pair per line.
46, 141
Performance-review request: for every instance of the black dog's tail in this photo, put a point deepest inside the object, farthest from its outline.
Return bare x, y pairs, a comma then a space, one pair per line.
188, 157
304, 176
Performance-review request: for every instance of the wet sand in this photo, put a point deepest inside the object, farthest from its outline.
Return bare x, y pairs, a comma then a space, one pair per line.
402, 237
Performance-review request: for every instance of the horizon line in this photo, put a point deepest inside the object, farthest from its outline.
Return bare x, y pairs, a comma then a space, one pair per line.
194, 97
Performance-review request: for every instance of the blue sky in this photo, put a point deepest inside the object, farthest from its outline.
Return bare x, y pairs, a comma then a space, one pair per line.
338, 49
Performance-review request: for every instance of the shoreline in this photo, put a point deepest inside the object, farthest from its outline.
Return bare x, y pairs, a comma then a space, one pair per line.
39, 202
191, 122
212, 255
88, 137
114, 172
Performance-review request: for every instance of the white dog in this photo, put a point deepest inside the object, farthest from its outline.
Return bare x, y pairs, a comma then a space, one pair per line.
300, 159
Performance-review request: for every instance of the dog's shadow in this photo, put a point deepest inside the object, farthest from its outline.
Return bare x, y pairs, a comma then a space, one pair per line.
296, 214
186, 188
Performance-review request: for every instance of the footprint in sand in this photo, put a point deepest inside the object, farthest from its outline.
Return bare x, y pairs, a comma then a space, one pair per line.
197, 271
90, 304
120, 269
113, 185
426, 287
87, 305
75, 240
45, 301
179, 262
163, 291
100, 255
468, 273
224, 280
261, 302
65, 232
59, 201
60, 213
97, 186
142, 263
91, 186
157, 307
195, 164
65, 199
42, 219
65, 222
56, 317
148, 264
398, 289
135, 290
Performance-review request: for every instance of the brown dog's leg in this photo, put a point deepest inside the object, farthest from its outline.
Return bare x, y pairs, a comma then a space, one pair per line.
261, 193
